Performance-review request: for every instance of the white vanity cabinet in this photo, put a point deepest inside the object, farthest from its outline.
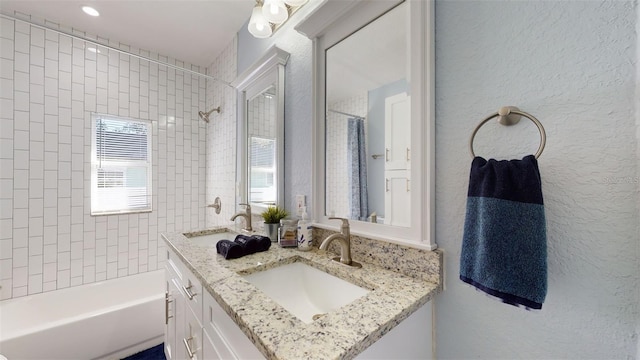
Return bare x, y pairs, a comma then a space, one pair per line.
196, 326
183, 312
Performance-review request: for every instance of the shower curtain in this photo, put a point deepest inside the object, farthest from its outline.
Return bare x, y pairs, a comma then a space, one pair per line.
357, 162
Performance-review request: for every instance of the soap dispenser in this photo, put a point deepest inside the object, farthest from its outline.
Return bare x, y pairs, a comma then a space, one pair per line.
305, 232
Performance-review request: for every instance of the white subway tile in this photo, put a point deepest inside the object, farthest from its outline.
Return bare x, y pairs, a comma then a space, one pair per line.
36, 188
51, 50
6, 149
50, 234
20, 237
21, 101
50, 256
37, 37
37, 55
6, 70
6, 208
21, 199
36, 73
20, 218
36, 226
6, 268
22, 63
35, 284
64, 279
20, 258
49, 285
35, 264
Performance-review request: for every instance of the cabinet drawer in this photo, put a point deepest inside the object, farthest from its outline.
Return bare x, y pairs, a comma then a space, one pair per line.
193, 293
174, 265
190, 285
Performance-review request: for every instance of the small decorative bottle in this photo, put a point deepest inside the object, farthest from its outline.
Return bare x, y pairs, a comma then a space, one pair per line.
287, 233
305, 232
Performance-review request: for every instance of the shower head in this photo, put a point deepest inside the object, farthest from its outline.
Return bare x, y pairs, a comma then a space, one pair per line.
205, 115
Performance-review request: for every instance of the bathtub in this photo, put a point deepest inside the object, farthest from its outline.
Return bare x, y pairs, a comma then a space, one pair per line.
105, 320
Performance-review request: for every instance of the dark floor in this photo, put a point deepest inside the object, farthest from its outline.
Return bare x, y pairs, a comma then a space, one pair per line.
154, 353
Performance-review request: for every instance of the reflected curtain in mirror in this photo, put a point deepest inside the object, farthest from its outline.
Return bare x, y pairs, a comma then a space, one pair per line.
357, 162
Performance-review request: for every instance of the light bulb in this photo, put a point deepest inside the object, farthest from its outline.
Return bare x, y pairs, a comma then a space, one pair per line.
90, 11
258, 25
275, 11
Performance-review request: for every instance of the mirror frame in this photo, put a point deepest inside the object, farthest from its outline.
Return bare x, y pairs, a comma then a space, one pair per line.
327, 25
267, 70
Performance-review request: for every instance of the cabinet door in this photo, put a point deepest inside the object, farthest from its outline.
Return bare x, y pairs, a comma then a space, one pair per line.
229, 341
174, 318
397, 196
397, 132
192, 340
411, 339
208, 350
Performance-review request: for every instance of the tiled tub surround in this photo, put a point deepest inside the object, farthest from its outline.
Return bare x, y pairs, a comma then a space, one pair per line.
341, 334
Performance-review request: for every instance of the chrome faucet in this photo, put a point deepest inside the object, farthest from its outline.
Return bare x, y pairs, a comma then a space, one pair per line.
344, 238
247, 217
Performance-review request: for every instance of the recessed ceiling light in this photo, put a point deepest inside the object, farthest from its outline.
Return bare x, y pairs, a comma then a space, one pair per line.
94, 50
90, 11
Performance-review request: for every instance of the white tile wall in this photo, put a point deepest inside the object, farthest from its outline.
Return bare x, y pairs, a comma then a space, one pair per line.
50, 85
337, 202
221, 138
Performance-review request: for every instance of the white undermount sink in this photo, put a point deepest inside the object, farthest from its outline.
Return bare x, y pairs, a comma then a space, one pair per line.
305, 291
211, 239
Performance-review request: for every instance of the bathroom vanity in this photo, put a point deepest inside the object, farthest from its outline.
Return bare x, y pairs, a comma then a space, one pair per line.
213, 310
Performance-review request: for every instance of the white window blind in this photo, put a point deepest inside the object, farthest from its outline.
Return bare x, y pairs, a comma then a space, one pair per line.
120, 165
262, 166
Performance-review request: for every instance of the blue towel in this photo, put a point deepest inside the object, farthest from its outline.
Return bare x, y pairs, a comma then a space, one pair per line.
504, 247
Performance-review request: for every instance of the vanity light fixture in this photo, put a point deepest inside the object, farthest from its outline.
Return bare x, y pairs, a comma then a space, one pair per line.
275, 11
268, 15
90, 11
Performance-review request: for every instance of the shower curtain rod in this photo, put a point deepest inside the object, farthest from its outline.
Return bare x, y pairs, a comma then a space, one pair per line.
347, 114
94, 42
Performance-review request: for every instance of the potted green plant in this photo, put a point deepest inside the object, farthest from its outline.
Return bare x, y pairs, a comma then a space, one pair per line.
272, 216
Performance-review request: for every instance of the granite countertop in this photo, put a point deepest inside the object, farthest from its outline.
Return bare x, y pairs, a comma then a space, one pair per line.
340, 334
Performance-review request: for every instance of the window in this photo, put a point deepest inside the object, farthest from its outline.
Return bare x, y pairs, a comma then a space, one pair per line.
120, 165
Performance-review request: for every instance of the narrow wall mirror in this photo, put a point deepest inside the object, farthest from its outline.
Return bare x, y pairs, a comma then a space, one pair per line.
368, 123
261, 131
374, 117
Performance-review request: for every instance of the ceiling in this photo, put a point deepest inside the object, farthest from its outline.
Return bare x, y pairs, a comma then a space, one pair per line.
194, 31
374, 56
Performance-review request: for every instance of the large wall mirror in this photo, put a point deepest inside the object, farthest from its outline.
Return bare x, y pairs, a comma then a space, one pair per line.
261, 131
374, 118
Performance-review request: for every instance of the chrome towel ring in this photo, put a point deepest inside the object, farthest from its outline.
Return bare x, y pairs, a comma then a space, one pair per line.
510, 115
